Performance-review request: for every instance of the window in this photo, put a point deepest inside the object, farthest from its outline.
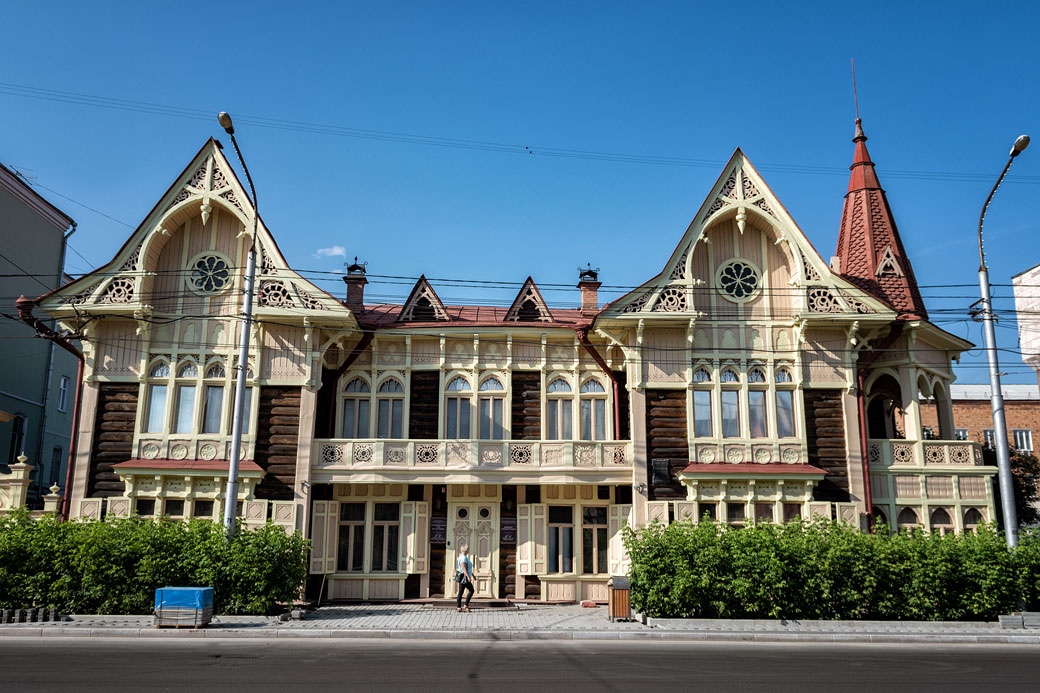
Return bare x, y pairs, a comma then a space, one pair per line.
783, 376
203, 508
907, 518
592, 408
390, 403
18, 427
561, 539
63, 394
1023, 439
559, 419
356, 409
928, 433
960, 434
987, 436
351, 556
213, 403
385, 530
738, 281
173, 508
210, 274
756, 375
729, 376
785, 414
155, 414
941, 520
457, 415
145, 507
972, 519
792, 512
757, 413
702, 414
701, 375
491, 405
185, 406
708, 511
735, 514
730, 414
594, 540
763, 512
55, 468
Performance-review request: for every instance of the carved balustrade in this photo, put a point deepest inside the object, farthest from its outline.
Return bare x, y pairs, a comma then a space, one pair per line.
921, 453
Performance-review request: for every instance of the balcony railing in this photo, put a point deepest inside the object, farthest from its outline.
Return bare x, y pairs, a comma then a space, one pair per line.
336, 454
917, 453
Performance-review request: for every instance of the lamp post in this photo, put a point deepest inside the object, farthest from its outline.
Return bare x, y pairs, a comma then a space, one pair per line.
1000, 441
231, 493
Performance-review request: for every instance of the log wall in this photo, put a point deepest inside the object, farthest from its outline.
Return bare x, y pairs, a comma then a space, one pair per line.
423, 405
113, 437
277, 441
623, 405
825, 434
507, 552
666, 439
527, 406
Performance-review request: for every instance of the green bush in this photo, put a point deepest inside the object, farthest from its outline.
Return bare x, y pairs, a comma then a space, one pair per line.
114, 566
827, 570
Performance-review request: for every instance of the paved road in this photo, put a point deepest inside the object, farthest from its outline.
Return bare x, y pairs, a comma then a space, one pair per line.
104, 664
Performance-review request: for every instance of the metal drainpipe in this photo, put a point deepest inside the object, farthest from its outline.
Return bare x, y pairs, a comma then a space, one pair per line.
583, 337
24, 306
861, 399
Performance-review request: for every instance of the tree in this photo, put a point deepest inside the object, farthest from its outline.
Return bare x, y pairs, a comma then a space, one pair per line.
1025, 470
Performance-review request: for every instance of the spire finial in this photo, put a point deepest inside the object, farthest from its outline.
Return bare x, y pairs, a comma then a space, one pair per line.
855, 95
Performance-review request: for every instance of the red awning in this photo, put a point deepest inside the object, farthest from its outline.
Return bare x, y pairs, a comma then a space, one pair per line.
188, 465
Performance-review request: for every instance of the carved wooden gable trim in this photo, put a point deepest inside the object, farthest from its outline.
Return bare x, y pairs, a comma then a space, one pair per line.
529, 306
423, 304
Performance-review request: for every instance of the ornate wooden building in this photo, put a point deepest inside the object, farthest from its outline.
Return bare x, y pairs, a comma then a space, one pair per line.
749, 380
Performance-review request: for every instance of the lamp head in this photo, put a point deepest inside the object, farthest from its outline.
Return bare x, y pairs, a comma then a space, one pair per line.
1020, 145
225, 122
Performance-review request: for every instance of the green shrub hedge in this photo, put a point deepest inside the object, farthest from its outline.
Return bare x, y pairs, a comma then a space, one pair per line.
114, 566
826, 570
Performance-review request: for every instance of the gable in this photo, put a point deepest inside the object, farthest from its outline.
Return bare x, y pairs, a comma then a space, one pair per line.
743, 257
529, 306
423, 304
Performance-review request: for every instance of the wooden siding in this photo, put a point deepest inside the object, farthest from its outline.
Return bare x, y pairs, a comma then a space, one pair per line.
423, 405
113, 437
623, 406
666, 439
527, 406
277, 441
507, 552
825, 434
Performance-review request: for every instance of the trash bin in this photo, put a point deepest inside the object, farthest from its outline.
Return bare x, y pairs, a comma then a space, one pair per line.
618, 604
185, 607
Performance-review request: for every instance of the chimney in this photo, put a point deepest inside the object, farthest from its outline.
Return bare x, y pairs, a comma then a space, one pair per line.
588, 283
355, 281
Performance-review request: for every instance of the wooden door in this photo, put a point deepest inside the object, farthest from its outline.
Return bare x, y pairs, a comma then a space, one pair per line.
474, 524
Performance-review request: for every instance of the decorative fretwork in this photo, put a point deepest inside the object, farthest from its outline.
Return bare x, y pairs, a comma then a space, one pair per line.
119, 290
131, 262
617, 455
935, 454
181, 197
331, 454
823, 301
706, 455
552, 455
82, 296
219, 179
266, 264
233, 199
275, 295
210, 274
874, 454
679, 271
739, 281
718, 204
363, 453
960, 454
749, 188
529, 306
790, 456
426, 453
491, 454
672, 300
729, 186
638, 304
763, 456
198, 181
810, 272
735, 455
457, 453
856, 304
520, 454
393, 454
888, 265
423, 304
903, 453
764, 206
309, 302
584, 456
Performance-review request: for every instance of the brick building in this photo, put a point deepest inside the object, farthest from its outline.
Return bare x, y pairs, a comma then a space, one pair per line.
973, 415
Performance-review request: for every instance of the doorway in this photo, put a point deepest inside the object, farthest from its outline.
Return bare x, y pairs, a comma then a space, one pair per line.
474, 524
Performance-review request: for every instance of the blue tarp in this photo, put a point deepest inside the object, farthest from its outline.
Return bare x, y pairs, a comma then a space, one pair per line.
184, 597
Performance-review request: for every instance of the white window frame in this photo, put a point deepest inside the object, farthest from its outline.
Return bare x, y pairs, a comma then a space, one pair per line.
356, 389
559, 404
1023, 438
459, 399
590, 395
391, 393
63, 393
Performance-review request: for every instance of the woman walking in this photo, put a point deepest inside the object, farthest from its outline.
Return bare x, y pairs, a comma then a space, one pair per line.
463, 576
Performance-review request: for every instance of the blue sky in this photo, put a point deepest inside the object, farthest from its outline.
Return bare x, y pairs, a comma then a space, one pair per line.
944, 88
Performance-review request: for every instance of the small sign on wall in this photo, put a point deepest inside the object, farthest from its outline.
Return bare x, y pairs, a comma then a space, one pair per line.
438, 529
508, 530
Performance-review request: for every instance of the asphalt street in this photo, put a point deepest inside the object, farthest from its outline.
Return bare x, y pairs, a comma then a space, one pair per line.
42, 664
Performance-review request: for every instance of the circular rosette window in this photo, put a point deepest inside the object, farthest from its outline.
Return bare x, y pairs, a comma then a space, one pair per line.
209, 274
739, 281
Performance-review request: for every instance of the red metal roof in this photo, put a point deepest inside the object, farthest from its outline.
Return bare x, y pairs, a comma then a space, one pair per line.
384, 316
757, 469
869, 236
188, 465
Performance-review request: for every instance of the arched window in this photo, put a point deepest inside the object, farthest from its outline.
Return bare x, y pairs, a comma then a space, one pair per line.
356, 409
756, 375
592, 408
702, 375
783, 376
784, 399
730, 401
941, 521
213, 398
879, 516
457, 410
972, 519
491, 405
390, 401
185, 398
907, 518
702, 410
559, 410
758, 414
155, 414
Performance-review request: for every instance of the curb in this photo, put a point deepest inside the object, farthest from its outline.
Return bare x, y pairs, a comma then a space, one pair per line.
520, 635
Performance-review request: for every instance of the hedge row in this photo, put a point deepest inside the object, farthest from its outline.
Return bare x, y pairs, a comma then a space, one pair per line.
114, 566
825, 570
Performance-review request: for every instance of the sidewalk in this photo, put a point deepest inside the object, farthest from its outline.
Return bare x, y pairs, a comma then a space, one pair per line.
526, 622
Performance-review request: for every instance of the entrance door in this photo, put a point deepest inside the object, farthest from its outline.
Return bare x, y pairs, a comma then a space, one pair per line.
475, 525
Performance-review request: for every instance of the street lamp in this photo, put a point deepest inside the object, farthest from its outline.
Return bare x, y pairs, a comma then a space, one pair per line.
231, 493
1000, 441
